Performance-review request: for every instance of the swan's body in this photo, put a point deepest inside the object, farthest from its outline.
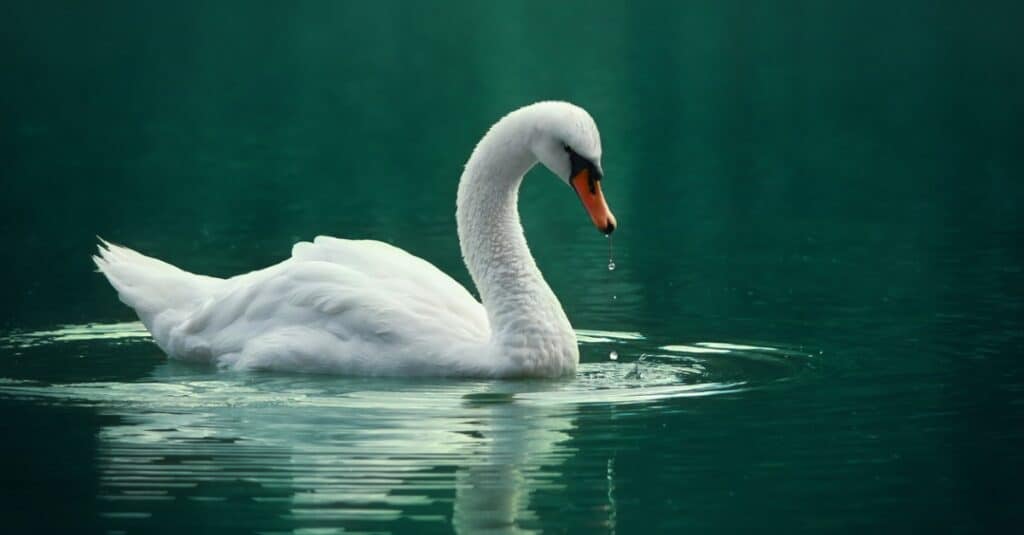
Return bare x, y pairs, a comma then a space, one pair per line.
364, 307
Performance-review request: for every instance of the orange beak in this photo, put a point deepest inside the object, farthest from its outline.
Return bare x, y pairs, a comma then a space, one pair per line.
589, 191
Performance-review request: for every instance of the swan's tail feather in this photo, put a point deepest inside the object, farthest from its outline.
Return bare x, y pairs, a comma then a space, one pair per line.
148, 285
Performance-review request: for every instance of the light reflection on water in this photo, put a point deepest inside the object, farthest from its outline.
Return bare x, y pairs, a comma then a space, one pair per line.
300, 451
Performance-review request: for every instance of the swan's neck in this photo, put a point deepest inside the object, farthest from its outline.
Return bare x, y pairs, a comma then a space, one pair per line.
528, 325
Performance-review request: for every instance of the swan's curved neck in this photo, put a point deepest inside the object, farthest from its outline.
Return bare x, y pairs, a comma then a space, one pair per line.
527, 322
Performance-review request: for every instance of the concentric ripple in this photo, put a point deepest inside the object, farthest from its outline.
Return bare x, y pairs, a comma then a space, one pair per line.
647, 371
323, 454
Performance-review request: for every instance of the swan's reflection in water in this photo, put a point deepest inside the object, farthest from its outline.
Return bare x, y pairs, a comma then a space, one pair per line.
519, 452
316, 454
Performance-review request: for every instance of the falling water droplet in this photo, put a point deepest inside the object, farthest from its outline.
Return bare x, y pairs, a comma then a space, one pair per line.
611, 258
614, 355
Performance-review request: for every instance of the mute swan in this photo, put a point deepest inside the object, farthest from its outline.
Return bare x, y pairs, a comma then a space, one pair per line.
364, 307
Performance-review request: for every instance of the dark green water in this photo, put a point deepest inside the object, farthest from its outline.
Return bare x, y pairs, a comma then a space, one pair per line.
819, 251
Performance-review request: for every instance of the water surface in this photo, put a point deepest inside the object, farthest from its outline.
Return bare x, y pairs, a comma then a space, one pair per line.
818, 258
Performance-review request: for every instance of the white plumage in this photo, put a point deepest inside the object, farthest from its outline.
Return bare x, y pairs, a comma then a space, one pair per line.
367, 308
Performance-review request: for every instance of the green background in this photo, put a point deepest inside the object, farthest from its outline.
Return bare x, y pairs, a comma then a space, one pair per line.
840, 177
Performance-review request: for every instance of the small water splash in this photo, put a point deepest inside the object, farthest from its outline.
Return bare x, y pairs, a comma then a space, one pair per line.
637, 372
614, 355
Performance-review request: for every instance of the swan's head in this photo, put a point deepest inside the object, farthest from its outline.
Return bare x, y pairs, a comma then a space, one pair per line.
567, 142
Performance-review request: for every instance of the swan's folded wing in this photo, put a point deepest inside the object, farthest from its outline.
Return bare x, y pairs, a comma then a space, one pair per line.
340, 305
316, 315
401, 277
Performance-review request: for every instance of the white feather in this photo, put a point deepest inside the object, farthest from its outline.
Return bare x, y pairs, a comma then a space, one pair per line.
365, 307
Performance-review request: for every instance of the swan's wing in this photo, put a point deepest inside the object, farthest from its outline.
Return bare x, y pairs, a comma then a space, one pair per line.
361, 307
405, 277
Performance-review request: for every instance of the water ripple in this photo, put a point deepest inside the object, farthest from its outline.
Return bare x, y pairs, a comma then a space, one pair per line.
305, 452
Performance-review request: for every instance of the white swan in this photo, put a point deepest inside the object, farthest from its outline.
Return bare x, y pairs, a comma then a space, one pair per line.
364, 307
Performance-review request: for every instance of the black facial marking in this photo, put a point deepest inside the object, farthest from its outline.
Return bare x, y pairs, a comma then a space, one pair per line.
578, 163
